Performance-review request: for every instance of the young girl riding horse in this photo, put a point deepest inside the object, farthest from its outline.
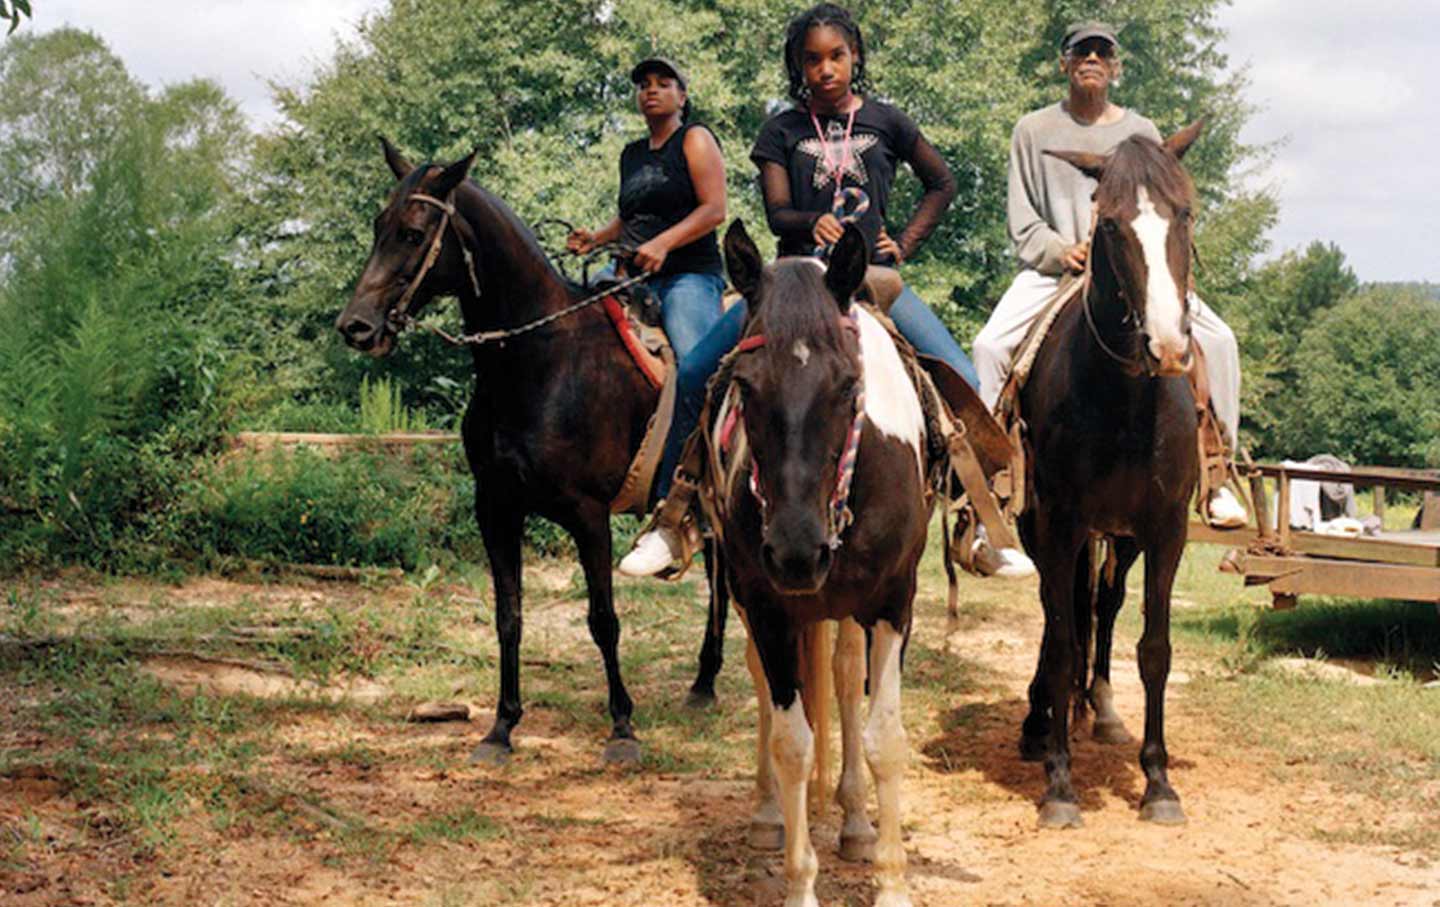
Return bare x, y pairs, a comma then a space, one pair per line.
829, 160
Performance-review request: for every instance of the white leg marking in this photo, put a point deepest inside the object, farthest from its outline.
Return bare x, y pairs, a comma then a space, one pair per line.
767, 825
1164, 312
857, 835
887, 750
890, 401
792, 750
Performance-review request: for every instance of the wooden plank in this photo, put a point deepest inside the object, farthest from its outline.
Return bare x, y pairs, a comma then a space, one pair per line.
1378, 497
1321, 576
266, 440
1261, 500
1413, 479
1412, 548
1282, 509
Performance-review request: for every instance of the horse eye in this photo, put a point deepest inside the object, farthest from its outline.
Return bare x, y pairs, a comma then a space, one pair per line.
411, 236
1108, 225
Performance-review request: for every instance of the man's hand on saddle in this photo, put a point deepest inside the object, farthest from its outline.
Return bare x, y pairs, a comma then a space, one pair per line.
889, 248
827, 230
651, 256
580, 242
1073, 258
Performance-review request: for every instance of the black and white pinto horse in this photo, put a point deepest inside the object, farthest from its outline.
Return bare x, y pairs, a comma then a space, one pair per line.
822, 511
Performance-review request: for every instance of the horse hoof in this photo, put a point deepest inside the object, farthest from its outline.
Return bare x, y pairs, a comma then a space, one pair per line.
766, 837
700, 700
857, 848
1060, 814
622, 751
1032, 749
1163, 812
488, 753
1112, 733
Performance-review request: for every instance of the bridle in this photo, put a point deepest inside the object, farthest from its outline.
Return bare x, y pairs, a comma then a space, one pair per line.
1128, 364
401, 318
838, 515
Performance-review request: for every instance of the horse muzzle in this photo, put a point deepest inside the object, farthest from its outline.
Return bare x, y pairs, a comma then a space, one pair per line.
796, 556
1169, 360
363, 333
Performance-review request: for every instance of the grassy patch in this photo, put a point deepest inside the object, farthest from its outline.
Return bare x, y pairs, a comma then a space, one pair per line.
459, 825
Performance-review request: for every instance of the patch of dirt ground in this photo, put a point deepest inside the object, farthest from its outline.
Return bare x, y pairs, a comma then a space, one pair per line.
554, 827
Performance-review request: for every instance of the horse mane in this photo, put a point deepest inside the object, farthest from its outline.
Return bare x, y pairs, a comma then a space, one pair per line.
799, 307
499, 209
1138, 162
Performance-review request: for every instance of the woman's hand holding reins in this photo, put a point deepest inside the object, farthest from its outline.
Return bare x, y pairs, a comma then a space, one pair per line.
651, 256
581, 242
1073, 258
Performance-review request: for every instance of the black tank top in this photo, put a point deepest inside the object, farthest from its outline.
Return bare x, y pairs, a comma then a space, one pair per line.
656, 193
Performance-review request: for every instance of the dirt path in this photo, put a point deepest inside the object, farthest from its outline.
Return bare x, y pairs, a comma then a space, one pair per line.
554, 828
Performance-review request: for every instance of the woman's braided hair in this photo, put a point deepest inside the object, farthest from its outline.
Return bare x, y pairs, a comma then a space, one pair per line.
837, 17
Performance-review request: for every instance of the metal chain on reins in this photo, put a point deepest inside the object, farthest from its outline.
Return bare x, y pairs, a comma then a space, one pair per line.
402, 318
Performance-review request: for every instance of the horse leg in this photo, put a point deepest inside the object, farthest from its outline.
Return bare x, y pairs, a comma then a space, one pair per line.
767, 825
857, 835
1108, 727
792, 754
712, 651
1065, 542
887, 750
1160, 803
592, 539
1084, 601
501, 530
1035, 730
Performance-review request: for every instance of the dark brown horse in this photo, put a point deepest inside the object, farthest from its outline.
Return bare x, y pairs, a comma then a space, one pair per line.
820, 385
556, 415
1112, 454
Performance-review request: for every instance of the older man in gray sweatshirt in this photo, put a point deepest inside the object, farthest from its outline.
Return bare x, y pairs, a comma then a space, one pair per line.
1049, 206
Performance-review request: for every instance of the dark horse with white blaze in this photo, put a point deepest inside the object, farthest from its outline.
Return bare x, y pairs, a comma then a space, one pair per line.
556, 415
820, 386
1113, 454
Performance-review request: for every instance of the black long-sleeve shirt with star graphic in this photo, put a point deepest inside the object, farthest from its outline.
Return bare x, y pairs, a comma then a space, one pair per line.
801, 187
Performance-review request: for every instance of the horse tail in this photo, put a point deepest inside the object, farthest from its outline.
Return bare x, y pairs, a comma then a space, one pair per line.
1087, 596
817, 692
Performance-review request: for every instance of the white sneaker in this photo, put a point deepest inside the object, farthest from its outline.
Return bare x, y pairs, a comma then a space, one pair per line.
1017, 565
1225, 511
652, 553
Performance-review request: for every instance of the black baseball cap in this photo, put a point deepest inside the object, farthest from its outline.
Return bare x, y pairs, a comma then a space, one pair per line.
1082, 31
662, 66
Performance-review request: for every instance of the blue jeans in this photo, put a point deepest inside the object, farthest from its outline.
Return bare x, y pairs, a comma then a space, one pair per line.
916, 322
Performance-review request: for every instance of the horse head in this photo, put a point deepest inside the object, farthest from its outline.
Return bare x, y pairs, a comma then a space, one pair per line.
1141, 246
798, 393
411, 261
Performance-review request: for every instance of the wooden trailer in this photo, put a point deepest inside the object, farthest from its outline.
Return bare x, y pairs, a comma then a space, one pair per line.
1393, 564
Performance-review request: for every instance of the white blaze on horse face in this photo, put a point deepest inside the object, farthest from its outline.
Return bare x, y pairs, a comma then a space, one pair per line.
890, 401
801, 349
1164, 311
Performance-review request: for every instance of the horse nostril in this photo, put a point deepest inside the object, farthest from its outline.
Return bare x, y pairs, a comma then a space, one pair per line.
356, 329
767, 556
822, 563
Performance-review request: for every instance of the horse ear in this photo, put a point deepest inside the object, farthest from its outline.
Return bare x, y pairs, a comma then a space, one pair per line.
398, 165
742, 260
1088, 163
848, 261
452, 176
1180, 142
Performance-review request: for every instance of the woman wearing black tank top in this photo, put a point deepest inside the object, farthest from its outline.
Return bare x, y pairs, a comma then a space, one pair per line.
672, 197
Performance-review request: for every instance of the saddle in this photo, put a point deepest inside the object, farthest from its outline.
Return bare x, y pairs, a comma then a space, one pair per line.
635, 315
1217, 466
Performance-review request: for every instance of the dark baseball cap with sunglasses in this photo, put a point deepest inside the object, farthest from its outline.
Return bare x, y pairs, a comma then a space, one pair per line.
1092, 32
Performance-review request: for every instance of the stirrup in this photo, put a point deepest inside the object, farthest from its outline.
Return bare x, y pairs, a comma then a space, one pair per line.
686, 531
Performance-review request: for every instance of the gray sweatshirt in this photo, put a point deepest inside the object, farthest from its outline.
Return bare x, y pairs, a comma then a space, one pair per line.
1048, 204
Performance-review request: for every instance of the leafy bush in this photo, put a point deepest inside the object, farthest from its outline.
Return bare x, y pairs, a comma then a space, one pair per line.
1369, 387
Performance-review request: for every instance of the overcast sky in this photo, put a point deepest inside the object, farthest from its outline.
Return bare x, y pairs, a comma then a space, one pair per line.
1350, 87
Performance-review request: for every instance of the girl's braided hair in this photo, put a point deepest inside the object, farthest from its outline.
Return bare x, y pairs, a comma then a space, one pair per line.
837, 17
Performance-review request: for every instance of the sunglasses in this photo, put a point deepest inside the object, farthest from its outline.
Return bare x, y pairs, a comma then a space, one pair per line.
1097, 46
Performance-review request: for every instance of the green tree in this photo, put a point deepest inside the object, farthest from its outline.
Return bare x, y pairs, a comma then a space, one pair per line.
110, 376
1369, 382
540, 89
1284, 299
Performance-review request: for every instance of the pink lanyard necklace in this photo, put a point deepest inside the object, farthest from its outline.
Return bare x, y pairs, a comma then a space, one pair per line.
836, 168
